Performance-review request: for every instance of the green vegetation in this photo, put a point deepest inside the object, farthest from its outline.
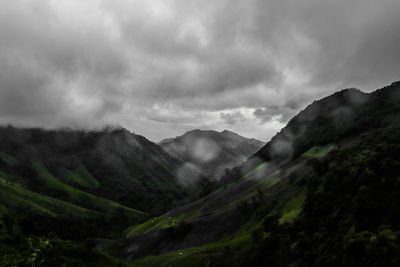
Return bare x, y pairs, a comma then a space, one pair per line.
51, 251
255, 170
337, 209
268, 182
200, 255
343, 211
35, 213
318, 151
323, 122
9, 160
293, 207
80, 177
79, 197
113, 164
14, 196
187, 216
157, 223
147, 226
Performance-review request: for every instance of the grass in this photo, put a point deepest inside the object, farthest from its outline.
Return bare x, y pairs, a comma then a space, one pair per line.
82, 198
252, 172
318, 151
144, 227
268, 182
189, 215
160, 223
292, 208
16, 197
81, 176
8, 159
195, 256
151, 225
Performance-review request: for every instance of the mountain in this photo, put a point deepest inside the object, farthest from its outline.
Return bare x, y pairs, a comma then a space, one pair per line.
211, 152
322, 192
114, 164
336, 119
82, 184
75, 185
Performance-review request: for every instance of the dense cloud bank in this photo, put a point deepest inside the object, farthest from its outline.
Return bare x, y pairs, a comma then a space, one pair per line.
246, 65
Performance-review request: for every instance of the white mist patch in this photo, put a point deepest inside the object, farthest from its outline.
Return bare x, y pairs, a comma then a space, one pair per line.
188, 174
204, 150
356, 98
282, 150
257, 169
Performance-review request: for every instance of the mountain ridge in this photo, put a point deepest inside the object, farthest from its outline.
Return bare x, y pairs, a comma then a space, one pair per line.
209, 151
273, 187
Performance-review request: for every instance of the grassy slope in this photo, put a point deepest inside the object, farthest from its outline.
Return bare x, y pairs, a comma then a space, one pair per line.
318, 151
8, 159
160, 223
80, 176
288, 207
14, 196
196, 256
203, 253
113, 164
293, 207
82, 198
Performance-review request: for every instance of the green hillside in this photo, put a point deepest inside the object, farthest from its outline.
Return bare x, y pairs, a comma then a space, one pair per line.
326, 221
79, 197
328, 197
322, 192
112, 164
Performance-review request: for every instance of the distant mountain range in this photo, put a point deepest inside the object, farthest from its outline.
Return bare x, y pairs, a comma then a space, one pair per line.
211, 152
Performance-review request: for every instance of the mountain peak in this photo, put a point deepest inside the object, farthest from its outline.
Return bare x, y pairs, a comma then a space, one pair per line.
228, 132
211, 151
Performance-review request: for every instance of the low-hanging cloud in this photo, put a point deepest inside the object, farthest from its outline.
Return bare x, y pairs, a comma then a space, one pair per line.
247, 65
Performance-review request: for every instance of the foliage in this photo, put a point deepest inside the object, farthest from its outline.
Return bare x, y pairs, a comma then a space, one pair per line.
350, 215
111, 164
51, 251
346, 212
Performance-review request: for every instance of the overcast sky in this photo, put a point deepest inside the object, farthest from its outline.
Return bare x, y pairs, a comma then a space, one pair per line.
160, 68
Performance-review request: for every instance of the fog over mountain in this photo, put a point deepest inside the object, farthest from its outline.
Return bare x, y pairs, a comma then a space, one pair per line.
211, 152
248, 65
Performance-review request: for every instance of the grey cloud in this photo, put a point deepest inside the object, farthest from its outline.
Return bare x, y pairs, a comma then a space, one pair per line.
232, 118
280, 113
98, 62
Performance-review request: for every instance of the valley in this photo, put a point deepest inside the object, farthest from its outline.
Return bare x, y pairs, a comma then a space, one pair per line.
210, 198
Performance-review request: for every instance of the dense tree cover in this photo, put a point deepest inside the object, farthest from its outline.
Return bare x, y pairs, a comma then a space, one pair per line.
122, 166
26, 241
343, 114
52, 251
351, 216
